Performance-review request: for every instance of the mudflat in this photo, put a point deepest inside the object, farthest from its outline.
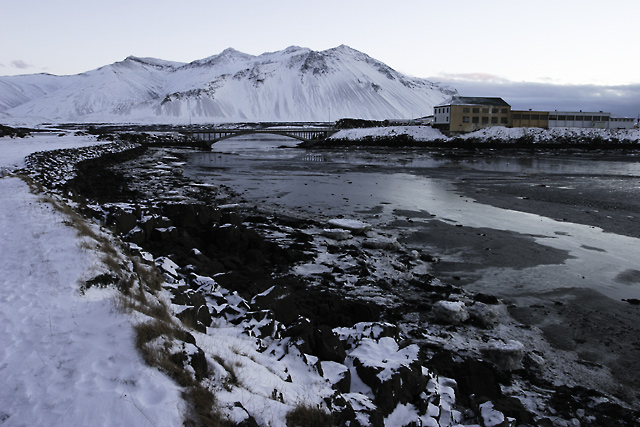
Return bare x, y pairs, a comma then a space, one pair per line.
603, 331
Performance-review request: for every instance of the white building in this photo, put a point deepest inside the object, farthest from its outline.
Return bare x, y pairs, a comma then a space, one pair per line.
618, 122
580, 119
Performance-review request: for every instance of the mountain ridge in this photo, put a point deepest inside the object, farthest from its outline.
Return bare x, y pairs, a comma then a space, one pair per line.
294, 84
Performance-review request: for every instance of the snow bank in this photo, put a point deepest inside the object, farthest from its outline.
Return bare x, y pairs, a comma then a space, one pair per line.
418, 133
427, 133
14, 150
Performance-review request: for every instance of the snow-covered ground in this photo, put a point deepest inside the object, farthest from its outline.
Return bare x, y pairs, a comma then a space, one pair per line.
427, 133
66, 359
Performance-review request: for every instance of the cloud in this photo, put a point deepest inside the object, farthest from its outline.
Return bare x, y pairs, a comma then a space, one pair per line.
19, 63
622, 100
472, 77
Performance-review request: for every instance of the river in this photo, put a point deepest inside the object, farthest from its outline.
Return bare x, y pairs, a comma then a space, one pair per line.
581, 222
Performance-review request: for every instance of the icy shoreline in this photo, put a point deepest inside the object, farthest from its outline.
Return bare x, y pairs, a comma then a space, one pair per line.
350, 262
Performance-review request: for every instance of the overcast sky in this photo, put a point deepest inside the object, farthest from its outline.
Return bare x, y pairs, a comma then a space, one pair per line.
560, 50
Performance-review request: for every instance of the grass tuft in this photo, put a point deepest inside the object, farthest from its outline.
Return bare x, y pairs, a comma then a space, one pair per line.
309, 416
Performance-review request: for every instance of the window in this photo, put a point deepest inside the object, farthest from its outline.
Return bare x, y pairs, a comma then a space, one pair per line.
495, 110
485, 120
504, 120
494, 120
465, 119
553, 117
579, 118
526, 117
466, 110
485, 110
505, 111
517, 116
446, 119
562, 117
571, 118
588, 118
535, 117
475, 119
476, 110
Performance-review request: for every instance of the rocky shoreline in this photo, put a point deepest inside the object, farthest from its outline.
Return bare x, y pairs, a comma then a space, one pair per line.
333, 293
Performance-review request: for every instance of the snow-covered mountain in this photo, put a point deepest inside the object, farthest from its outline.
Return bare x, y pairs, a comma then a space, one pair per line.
295, 84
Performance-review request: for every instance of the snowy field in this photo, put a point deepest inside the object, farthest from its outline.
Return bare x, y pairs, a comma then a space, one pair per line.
66, 359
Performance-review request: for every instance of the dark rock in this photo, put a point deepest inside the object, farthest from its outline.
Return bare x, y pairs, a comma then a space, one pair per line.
473, 377
327, 345
199, 318
123, 220
486, 299
137, 236
164, 234
186, 296
198, 362
302, 329
513, 408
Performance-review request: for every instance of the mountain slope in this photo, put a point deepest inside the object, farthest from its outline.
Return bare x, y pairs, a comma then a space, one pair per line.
295, 84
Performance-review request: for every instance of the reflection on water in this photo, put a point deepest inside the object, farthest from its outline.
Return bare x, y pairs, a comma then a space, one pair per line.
270, 147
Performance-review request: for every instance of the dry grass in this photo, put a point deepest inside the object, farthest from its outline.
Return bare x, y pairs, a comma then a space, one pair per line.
232, 378
309, 416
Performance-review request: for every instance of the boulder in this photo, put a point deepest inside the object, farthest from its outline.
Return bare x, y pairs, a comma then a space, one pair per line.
507, 356
483, 314
450, 312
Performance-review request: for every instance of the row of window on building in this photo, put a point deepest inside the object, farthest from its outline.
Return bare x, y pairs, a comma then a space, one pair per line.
466, 114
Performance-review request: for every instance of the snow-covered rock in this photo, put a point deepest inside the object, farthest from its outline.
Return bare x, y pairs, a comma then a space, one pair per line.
350, 224
450, 311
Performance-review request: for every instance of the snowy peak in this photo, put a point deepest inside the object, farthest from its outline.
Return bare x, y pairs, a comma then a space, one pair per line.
294, 84
153, 62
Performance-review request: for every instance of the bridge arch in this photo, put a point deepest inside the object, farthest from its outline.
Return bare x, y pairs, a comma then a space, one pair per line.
302, 134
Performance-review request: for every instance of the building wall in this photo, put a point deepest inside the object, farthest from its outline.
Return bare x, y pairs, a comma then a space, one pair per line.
442, 117
468, 118
621, 123
529, 119
579, 119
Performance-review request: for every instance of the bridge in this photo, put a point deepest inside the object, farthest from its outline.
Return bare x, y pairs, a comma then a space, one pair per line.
305, 134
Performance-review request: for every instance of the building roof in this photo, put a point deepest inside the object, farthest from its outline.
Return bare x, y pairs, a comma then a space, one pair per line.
474, 100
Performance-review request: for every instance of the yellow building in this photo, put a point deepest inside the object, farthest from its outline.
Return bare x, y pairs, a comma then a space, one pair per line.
529, 119
467, 114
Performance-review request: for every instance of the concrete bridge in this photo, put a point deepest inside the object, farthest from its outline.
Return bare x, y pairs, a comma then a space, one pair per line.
305, 134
